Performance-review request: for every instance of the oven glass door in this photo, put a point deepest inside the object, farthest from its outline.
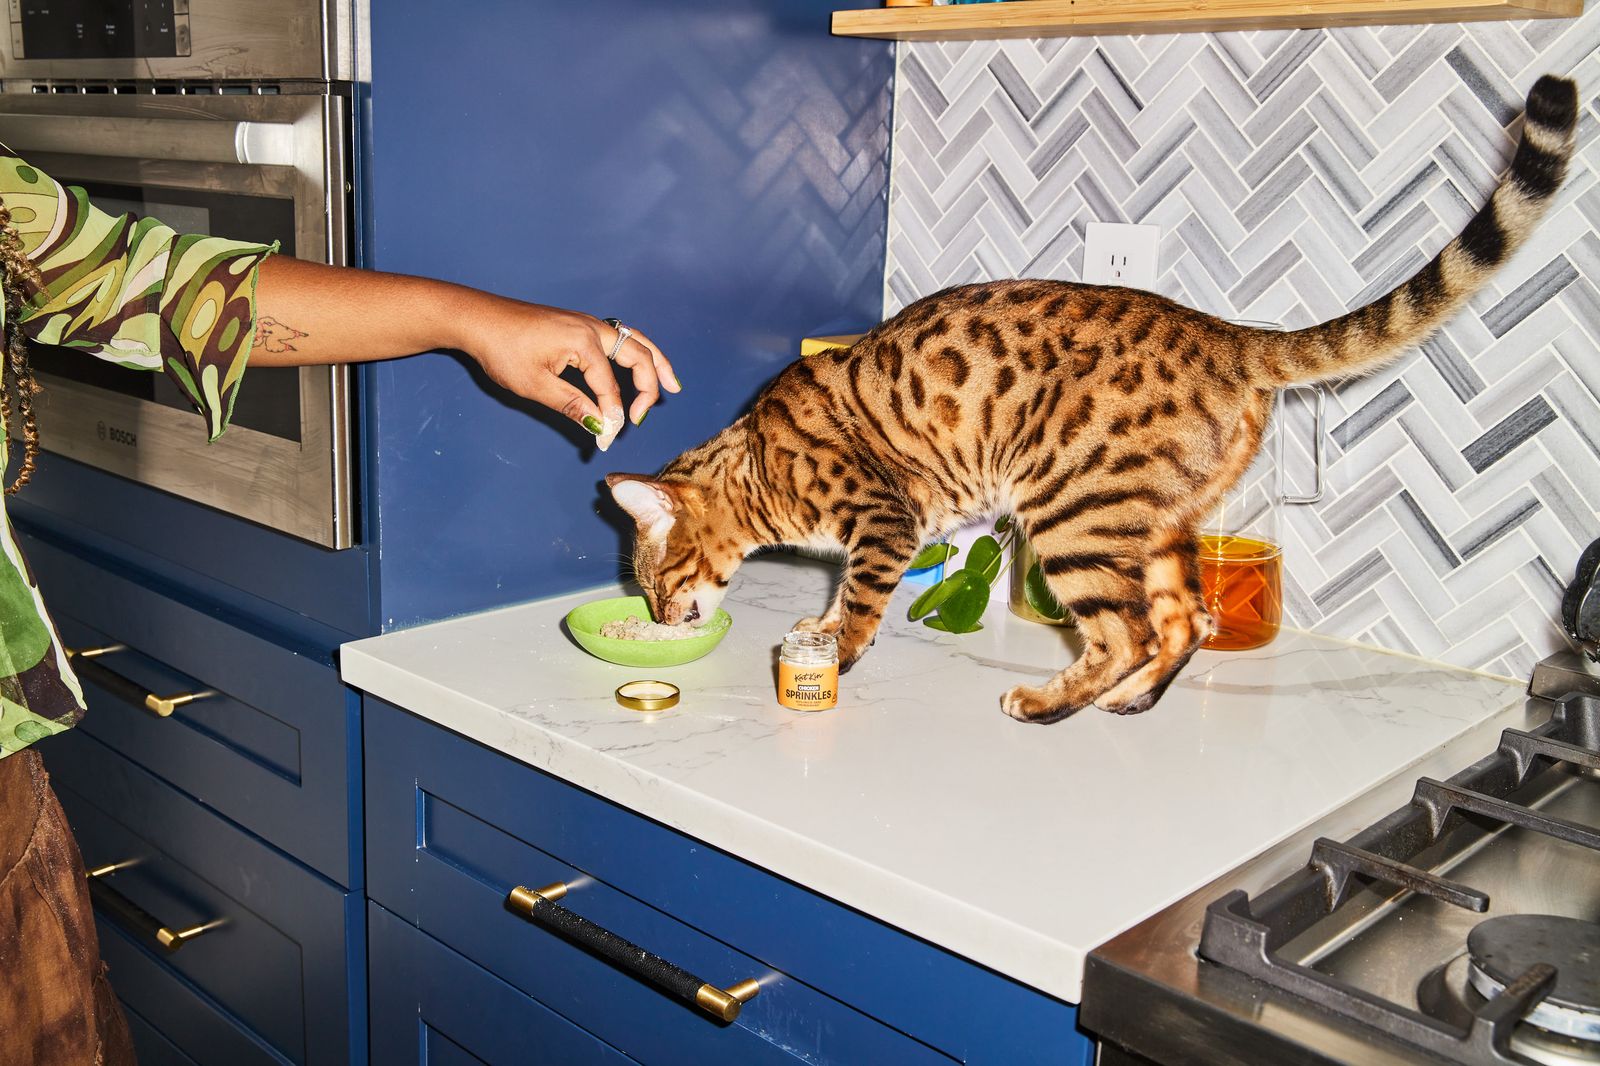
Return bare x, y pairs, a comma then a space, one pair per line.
270, 399
285, 459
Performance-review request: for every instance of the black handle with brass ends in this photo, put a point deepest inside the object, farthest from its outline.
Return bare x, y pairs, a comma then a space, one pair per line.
540, 906
136, 919
84, 660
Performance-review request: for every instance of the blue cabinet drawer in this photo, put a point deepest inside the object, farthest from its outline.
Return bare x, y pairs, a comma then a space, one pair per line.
270, 745
157, 1001
431, 1006
453, 826
149, 1046
267, 981
476, 846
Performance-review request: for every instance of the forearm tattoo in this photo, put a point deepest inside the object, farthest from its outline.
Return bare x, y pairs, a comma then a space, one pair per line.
275, 336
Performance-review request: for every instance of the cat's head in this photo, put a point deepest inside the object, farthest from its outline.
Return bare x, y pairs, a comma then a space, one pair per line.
684, 553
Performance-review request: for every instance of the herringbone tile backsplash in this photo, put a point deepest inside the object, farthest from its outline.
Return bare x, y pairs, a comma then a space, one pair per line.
1295, 175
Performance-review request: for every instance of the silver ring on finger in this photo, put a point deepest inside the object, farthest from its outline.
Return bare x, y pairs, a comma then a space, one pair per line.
623, 333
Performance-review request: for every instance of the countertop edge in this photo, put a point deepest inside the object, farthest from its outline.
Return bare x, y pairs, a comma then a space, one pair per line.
1025, 955
617, 783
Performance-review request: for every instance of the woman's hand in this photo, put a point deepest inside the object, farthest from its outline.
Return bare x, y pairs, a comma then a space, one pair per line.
307, 313
525, 347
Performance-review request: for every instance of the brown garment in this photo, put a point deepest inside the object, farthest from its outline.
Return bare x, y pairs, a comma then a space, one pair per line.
56, 1006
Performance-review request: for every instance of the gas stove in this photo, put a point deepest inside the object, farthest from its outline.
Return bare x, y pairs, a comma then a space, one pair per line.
1462, 928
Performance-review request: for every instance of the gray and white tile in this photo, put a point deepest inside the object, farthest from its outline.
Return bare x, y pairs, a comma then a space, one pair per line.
1296, 174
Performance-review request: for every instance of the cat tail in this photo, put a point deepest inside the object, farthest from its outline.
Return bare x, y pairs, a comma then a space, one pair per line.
1370, 336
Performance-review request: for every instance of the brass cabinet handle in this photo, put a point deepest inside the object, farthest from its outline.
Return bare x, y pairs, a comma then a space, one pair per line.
540, 906
122, 687
134, 917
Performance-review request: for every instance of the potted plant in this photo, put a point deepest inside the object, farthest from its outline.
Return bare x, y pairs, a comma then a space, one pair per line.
956, 603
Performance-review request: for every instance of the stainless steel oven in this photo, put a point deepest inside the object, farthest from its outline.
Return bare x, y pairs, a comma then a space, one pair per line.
231, 118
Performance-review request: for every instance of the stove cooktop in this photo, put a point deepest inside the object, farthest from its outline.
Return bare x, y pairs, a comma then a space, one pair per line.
1464, 927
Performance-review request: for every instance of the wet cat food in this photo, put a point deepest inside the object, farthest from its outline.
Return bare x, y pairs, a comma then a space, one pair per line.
635, 628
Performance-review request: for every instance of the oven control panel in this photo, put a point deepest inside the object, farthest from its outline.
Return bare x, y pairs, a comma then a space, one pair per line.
63, 44
99, 29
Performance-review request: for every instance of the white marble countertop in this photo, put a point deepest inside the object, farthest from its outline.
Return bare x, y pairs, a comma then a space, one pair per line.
1020, 847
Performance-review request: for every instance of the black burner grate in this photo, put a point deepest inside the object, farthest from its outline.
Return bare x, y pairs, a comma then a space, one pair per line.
1246, 935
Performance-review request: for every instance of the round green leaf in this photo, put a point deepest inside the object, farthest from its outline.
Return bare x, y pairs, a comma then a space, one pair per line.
932, 555
984, 558
934, 595
961, 611
1039, 595
936, 623
1002, 523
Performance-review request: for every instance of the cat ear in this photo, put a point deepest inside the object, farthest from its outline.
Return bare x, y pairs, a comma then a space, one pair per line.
651, 503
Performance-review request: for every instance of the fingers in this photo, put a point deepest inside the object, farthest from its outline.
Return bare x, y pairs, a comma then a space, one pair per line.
531, 363
663, 369
651, 373
559, 395
638, 359
603, 383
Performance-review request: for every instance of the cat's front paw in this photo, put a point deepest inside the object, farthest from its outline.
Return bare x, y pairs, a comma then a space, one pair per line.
815, 625
848, 657
1034, 706
1136, 705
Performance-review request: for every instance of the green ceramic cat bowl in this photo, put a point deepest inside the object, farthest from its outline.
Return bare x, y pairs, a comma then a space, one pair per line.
584, 624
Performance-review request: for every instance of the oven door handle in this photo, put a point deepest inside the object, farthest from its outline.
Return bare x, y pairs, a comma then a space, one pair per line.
253, 142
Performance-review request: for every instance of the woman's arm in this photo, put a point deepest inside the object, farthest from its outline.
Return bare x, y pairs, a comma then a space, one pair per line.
308, 313
205, 292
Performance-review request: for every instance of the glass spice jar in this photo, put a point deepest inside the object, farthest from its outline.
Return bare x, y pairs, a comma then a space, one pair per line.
808, 671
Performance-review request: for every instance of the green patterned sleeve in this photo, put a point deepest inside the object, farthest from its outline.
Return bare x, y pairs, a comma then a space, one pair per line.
133, 291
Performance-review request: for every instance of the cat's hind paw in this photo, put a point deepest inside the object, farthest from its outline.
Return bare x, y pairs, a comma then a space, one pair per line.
1034, 706
1141, 689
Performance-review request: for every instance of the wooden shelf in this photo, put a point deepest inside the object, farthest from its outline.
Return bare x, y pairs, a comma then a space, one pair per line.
1061, 18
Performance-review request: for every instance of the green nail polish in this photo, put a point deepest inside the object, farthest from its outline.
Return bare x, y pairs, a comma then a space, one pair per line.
593, 424
642, 417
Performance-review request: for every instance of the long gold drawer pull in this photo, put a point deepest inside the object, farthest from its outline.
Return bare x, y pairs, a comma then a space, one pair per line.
539, 906
122, 687
95, 653
135, 918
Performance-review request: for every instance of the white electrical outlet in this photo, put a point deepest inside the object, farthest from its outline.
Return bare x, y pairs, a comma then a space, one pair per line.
1117, 254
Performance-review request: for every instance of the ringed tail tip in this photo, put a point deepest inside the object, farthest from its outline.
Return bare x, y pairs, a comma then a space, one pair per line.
1553, 103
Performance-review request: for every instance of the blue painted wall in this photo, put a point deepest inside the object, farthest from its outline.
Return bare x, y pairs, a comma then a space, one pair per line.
714, 173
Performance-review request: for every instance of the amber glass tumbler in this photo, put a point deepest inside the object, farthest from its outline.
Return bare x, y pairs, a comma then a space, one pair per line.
1241, 582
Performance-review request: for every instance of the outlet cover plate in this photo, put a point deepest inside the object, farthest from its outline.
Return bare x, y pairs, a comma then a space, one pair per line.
1118, 254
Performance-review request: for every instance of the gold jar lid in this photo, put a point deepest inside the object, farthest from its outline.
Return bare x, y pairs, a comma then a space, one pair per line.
647, 695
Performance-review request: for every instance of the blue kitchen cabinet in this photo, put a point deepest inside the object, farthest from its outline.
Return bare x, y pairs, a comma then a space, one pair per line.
272, 739
432, 1007
452, 827
268, 982
242, 805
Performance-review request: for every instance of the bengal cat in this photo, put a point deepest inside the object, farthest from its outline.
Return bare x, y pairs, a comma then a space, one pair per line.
1110, 421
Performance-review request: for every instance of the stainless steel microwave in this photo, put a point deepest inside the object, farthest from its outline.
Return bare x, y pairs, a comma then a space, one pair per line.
229, 117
